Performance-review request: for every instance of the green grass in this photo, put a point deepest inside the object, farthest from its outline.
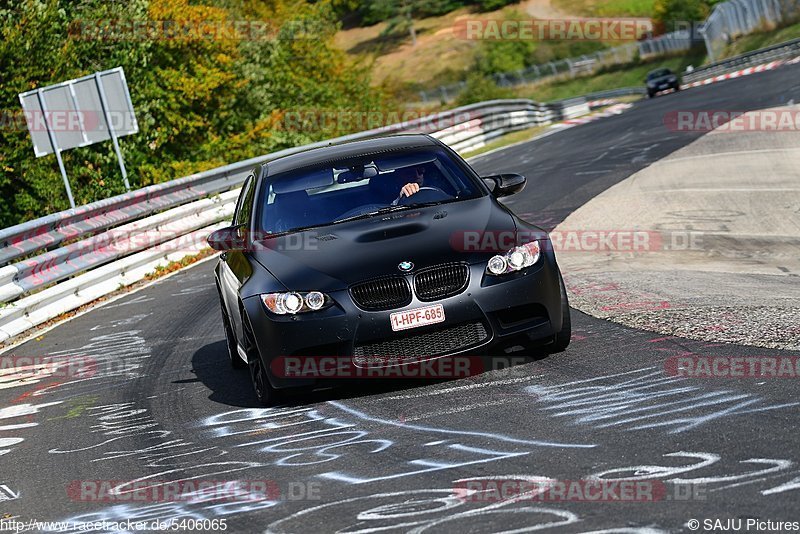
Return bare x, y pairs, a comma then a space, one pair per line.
754, 41
624, 76
607, 8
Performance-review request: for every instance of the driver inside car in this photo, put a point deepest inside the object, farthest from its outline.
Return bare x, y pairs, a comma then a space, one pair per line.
415, 178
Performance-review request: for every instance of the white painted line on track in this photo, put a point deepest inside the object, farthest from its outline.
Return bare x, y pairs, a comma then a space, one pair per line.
451, 411
460, 388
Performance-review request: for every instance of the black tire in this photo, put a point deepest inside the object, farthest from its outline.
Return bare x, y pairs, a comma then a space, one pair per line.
650, 94
562, 338
265, 393
230, 339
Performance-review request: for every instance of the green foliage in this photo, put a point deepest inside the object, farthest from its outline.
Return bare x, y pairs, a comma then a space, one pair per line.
480, 88
374, 11
492, 5
606, 8
670, 14
505, 55
200, 102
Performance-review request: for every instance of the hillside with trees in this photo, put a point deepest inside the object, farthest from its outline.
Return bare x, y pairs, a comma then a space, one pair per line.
201, 100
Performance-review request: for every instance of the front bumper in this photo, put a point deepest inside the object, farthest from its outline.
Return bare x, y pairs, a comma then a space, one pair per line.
490, 311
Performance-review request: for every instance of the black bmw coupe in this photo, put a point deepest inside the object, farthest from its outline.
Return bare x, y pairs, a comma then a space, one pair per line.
385, 252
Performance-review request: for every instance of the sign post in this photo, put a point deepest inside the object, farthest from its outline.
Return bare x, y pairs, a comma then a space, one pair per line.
57, 150
109, 123
79, 113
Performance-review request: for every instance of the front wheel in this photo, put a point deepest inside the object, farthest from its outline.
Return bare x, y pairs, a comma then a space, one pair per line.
265, 393
562, 338
230, 339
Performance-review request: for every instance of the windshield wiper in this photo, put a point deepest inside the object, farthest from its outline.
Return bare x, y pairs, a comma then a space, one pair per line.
386, 209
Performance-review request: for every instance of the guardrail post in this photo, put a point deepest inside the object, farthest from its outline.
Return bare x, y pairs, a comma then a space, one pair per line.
709, 48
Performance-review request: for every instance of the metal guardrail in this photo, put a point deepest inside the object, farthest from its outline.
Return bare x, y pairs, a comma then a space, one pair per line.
734, 18
116, 241
781, 51
50, 231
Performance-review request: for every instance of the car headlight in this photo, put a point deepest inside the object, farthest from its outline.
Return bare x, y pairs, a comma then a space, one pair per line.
292, 302
516, 259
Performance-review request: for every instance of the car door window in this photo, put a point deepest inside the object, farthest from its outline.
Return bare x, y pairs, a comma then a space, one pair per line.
245, 206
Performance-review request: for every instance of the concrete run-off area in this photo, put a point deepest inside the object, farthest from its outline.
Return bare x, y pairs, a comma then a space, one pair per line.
718, 254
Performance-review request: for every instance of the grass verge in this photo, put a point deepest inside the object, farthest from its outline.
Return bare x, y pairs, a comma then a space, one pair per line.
754, 41
607, 8
508, 139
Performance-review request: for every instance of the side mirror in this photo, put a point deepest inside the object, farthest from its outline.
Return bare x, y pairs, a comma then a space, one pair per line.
503, 185
229, 238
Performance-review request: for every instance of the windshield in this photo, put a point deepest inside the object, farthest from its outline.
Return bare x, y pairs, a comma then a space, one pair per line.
659, 73
361, 188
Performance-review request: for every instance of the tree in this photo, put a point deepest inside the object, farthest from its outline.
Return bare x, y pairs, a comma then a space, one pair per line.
205, 93
674, 14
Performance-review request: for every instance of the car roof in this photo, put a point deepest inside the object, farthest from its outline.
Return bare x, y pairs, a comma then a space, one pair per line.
314, 156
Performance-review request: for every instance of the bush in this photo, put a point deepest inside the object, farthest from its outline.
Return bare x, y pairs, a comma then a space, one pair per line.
480, 88
669, 14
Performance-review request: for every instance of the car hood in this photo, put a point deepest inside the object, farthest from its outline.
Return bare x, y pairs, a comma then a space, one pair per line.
663, 79
334, 257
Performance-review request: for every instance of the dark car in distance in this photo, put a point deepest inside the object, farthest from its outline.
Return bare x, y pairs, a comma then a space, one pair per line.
661, 80
382, 252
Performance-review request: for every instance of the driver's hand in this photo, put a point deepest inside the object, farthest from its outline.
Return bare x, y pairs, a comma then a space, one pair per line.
409, 189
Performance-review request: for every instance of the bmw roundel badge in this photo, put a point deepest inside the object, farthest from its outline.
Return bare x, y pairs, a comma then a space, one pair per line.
405, 266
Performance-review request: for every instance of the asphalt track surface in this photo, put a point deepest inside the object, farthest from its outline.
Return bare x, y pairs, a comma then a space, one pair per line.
165, 405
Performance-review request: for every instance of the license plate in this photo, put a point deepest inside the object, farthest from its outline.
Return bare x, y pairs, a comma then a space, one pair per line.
417, 317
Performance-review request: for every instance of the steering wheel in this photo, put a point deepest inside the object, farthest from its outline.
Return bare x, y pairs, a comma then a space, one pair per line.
361, 209
425, 194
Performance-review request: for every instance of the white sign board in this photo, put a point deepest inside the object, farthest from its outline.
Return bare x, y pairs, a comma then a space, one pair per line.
77, 113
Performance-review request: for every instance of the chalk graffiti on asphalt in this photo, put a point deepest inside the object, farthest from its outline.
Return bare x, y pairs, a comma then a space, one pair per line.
645, 399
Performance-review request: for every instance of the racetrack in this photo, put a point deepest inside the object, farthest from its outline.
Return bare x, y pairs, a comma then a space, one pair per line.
165, 405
